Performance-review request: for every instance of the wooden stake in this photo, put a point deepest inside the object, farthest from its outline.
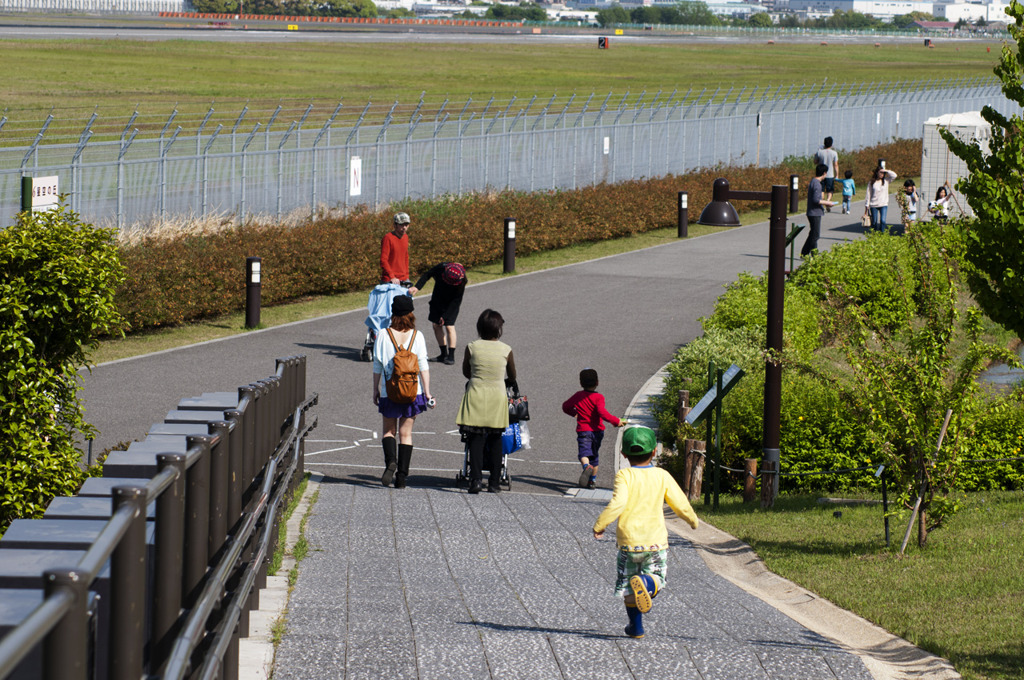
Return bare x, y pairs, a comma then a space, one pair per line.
924, 483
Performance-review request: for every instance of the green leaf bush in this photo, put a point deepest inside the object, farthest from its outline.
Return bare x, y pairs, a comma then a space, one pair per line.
824, 425
173, 280
58, 276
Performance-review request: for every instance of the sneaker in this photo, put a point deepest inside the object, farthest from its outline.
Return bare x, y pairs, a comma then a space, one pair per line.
389, 474
585, 476
828, 208
591, 484
640, 592
441, 358
449, 359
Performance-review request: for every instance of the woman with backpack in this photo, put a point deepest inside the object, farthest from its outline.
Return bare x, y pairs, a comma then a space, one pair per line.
483, 414
400, 355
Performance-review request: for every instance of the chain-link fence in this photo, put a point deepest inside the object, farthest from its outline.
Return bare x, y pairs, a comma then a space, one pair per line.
244, 163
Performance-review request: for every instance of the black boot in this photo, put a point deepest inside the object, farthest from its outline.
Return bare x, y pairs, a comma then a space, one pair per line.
390, 460
404, 457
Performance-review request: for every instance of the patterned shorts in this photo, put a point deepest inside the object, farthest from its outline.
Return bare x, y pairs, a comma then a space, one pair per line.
629, 564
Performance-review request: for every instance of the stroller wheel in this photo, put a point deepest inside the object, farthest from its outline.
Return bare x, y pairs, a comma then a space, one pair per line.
365, 354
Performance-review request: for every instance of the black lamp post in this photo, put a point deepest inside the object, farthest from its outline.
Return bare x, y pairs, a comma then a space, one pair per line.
720, 213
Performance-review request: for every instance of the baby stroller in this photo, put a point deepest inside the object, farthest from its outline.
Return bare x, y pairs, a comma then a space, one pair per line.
511, 441
379, 314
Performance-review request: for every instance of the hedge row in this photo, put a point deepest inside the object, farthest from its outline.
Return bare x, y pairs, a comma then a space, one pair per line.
182, 278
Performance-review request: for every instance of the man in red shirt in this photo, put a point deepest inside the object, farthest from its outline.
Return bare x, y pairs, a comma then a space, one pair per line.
394, 252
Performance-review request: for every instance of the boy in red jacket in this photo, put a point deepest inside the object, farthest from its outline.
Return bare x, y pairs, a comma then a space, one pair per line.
588, 407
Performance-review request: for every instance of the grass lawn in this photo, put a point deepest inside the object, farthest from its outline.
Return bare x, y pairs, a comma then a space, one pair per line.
960, 597
77, 76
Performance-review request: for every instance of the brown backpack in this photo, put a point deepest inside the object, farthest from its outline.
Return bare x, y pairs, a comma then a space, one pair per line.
403, 384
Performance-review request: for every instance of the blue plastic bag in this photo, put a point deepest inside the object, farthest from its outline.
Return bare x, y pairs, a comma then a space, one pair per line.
511, 439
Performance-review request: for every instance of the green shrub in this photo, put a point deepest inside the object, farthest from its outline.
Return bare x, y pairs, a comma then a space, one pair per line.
745, 305
57, 282
875, 273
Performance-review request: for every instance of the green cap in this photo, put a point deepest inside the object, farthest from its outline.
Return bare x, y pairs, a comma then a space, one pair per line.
638, 441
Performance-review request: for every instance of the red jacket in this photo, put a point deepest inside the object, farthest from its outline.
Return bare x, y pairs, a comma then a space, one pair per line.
394, 258
588, 407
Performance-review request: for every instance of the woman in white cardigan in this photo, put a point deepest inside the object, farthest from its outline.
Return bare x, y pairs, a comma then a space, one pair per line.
876, 202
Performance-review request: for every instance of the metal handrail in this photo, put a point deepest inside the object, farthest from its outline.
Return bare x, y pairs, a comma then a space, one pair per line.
59, 621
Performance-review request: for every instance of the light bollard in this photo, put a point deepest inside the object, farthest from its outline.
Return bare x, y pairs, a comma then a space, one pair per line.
510, 246
684, 217
252, 292
794, 193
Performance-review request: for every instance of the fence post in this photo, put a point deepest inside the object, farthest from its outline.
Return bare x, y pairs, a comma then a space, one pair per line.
199, 147
65, 649
120, 176
750, 480
75, 200
128, 588
206, 150
163, 172
170, 539
280, 169
245, 146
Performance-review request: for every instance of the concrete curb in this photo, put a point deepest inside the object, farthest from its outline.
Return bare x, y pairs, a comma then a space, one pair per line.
886, 656
256, 648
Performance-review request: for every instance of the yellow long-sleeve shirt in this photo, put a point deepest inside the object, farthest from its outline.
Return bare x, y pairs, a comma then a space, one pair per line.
638, 503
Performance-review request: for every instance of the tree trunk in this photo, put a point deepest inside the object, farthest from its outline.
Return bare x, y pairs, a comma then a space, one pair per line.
922, 528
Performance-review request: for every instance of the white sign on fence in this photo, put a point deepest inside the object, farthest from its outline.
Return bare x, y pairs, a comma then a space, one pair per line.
355, 176
39, 194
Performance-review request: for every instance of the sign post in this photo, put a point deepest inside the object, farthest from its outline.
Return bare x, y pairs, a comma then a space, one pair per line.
719, 385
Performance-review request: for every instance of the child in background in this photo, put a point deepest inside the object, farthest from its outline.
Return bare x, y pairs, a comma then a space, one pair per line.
641, 535
910, 189
849, 190
588, 407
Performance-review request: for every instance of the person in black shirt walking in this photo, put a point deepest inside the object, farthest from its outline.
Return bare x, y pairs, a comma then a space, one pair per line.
449, 285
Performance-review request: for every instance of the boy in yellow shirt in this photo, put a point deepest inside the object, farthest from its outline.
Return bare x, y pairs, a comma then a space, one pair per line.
637, 502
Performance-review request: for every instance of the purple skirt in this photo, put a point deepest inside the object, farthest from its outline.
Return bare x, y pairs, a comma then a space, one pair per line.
390, 409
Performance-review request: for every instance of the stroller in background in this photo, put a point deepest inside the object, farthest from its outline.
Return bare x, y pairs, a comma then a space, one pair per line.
378, 311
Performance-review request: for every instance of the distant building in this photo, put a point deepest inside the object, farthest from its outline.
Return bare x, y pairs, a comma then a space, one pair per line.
884, 10
971, 11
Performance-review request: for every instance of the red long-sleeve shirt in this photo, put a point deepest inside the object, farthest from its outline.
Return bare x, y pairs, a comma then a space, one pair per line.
588, 407
394, 258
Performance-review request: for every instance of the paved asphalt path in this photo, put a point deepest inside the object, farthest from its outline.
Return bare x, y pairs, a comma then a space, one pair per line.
433, 583
623, 315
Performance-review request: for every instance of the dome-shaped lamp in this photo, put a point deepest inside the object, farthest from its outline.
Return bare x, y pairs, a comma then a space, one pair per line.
719, 212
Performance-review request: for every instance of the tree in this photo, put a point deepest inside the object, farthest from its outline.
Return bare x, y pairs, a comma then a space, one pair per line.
345, 8
903, 21
994, 188
761, 20
696, 14
613, 15
902, 378
58, 277
525, 11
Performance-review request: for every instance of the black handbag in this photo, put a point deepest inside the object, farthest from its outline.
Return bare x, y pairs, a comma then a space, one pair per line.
518, 404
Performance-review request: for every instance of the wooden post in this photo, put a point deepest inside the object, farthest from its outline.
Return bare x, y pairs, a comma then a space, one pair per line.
750, 481
694, 466
687, 465
768, 470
